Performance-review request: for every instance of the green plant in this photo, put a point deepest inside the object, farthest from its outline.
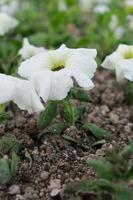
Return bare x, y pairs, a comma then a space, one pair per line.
8, 168
115, 172
9, 144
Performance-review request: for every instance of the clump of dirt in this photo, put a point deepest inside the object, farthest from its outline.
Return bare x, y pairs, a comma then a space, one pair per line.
56, 161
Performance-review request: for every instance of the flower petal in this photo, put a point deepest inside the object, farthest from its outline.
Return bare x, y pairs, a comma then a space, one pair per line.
86, 64
33, 65
111, 61
127, 68
60, 85
29, 50
6, 23
21, 92
42, 83
87, 52
83, 80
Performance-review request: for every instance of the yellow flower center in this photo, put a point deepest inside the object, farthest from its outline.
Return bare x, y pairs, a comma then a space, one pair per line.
128, 54
57, 63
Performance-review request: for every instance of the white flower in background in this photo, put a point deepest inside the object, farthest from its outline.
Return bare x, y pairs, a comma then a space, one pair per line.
20, 92
9, 6
115, 27
130, 21
62, 5
28, 50
129, 3
6, 23
51, 72
101, 8
96, 6
121, 61
86, 5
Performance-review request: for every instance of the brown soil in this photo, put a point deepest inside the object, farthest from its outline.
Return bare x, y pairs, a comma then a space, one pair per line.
56, 161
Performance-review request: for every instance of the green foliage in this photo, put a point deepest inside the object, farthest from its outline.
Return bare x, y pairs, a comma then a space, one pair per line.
115, 171
78, 113
47, 115
8, 168
98, 132
3, 117
68, 112
14, 164
9, 143
5, 174
55, 128
79, 94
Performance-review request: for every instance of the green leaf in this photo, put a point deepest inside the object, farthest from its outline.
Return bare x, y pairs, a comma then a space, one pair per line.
70, 139
127, 151
98, 132
3, 117
38, 38
14, 164
99, 142
47, 115
104, 169
80, 95
89, 185
122, 192
68, 112
8, 144
5, 175
55, 128
78, 112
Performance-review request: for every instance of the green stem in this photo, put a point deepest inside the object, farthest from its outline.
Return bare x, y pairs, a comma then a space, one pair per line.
68, 112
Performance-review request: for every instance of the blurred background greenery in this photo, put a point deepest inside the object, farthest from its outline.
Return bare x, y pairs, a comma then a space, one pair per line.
100, 24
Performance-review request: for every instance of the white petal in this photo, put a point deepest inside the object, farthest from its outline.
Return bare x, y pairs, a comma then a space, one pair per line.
29, 50
83, 63
33, 65
87, 52
111, 61
83, 80
127, 68
60, 85
6, 23
21, 92
7, 88
42, 83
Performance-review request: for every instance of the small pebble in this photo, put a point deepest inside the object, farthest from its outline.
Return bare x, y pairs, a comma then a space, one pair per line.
14, 189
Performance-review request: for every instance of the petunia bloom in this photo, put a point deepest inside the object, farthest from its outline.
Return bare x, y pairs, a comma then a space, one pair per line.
9, 7
6, 23
20, 92
121, 61
28, 50
52, 72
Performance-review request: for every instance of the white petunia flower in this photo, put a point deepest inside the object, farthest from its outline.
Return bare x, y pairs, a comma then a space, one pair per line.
6, 23
121, 61
20, 92
62, 5
9, 6
115, 27
101, 9
129, 3
51, 72
29, 50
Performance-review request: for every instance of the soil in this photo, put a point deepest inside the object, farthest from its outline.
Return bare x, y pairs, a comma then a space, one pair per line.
56, 161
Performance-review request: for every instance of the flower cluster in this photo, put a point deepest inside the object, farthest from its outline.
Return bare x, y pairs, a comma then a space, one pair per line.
47, 75
7, 22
